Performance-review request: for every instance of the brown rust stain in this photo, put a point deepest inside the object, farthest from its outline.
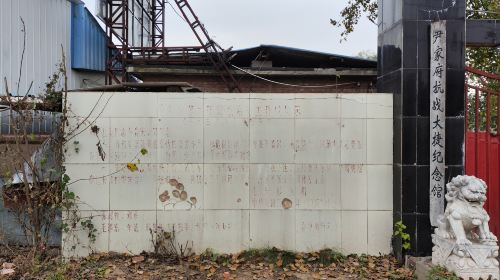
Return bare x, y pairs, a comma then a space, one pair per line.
179, 193
164, 196
286, 203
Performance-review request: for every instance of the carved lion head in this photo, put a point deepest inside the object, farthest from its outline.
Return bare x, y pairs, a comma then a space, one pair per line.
467, 188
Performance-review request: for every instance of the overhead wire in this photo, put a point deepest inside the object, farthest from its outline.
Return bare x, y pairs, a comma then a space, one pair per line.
291, 85
262, 78
4, 108
260, 68
486, 12
175, 11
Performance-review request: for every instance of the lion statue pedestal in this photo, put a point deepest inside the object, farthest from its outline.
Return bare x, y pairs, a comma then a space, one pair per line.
463, 242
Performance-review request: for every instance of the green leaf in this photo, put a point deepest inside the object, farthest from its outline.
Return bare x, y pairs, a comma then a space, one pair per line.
66, 178
70, 195
43, 161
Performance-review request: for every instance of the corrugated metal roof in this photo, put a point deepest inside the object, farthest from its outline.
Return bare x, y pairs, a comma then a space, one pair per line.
299, 58
88, 40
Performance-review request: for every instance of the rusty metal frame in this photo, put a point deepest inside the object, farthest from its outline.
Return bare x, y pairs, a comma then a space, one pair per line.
158, 23
116, 21
167, 55
122, 54
216, 54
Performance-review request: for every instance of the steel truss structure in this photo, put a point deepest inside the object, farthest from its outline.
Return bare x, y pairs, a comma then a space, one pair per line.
122, 54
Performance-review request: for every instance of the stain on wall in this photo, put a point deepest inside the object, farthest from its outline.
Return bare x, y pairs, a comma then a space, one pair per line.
235, 171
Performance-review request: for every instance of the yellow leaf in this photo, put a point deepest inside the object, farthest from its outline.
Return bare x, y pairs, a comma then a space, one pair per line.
132, 167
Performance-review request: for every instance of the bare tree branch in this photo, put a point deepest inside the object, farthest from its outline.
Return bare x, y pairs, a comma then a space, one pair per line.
23, 30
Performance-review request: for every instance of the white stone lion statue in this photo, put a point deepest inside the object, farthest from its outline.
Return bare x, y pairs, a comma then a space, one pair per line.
463, 242
465, 218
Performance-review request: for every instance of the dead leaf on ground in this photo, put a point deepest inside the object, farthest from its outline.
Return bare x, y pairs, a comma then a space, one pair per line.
7, 265
7, 271
137, 259
117, 272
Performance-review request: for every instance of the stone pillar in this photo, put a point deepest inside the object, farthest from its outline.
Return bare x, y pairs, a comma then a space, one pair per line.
403, 69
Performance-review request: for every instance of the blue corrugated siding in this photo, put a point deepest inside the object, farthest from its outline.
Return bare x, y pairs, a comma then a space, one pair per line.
88, 41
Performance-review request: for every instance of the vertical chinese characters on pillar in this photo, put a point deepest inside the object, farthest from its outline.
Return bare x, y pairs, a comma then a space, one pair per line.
437, 119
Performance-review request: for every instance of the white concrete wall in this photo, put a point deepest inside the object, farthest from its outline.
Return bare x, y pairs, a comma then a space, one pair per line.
240, 156
48, 26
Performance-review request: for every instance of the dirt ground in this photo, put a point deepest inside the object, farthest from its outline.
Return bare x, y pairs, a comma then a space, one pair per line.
253, 264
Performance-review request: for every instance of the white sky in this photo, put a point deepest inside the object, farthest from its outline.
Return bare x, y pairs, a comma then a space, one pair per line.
248, 23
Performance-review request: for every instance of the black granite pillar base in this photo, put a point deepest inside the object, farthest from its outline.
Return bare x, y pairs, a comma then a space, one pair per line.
403, 64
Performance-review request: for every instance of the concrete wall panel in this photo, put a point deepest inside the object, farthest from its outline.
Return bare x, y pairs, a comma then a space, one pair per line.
296, 171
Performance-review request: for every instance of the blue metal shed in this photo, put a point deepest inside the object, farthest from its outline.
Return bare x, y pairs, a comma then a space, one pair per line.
88, 40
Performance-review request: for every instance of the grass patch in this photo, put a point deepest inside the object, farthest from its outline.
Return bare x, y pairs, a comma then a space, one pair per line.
284, 258
288, 257
269, 255
329, 256
441, 273
211, 255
